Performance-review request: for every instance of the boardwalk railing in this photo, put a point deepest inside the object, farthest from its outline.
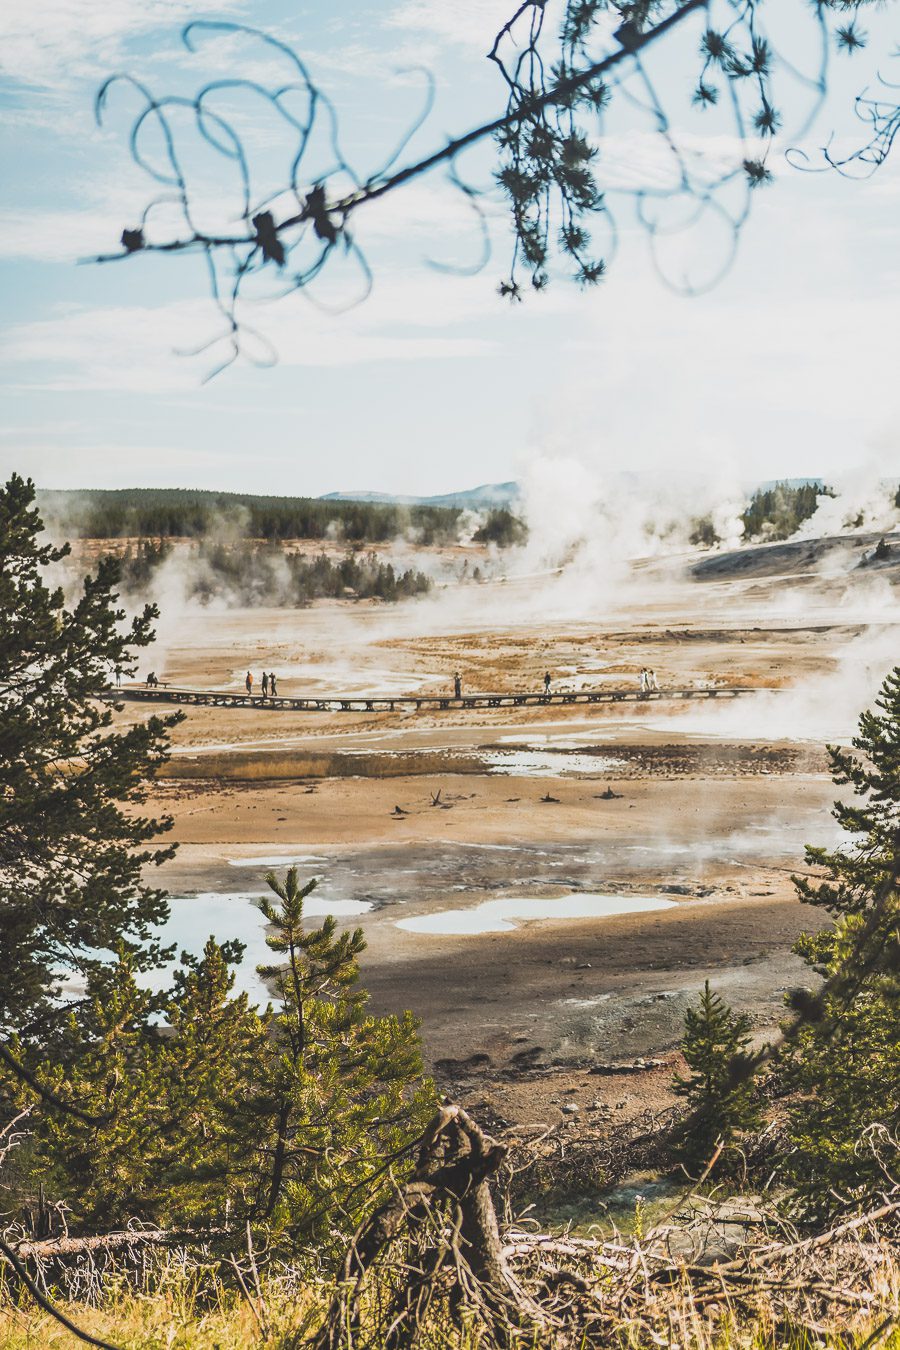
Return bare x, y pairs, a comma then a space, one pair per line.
214, 698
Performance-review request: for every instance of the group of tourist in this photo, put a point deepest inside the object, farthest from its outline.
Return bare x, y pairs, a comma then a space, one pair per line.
269, 684
649, 682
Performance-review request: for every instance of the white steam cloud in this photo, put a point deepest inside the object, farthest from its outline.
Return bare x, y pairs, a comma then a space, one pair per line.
863, 501
603, 548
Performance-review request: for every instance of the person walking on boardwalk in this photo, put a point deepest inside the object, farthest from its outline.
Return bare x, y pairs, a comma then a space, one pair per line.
249, 683
643, 683
273, 688
457, 686
546, 682
265, 685
652, 682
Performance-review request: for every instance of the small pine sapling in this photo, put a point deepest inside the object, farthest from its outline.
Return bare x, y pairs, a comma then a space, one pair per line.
341, 1090
722, 1104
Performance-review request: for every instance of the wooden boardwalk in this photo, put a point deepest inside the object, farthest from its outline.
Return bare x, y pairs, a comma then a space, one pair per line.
214, 698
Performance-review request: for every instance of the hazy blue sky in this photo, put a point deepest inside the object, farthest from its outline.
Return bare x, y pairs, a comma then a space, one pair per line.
787, 367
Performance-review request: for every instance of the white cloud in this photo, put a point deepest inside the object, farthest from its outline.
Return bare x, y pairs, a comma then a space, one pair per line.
409, 318
467, 23
56, 460
782, 382
48, 43
65, 234
396, 65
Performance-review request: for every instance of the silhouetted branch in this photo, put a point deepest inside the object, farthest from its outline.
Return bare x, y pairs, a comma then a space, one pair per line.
552, 137
881, 116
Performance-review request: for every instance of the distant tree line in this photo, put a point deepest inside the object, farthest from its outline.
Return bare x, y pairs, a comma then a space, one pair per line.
772, 513
139, 562
177, 513
779, 511
263, 574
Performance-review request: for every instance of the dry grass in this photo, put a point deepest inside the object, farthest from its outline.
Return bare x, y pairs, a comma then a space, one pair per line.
180, 1312
150, 1324
851, 1303
159, 1323
254, 766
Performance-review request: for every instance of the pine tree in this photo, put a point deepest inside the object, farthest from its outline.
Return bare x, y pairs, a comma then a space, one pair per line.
342, 1090
196, 1109
209, 1140
720, 1107
180, 1146
845, 1071
72, 845
98, 1060
858, 873
843, 1115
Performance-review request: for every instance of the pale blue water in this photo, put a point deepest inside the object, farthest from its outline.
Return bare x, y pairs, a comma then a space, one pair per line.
505, 914
194, 918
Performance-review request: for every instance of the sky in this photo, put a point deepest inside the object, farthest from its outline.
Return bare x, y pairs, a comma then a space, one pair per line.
785, 367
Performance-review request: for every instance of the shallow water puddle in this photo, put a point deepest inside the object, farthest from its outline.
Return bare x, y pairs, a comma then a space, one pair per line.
194, 918
276, 860
505, 915
532, 763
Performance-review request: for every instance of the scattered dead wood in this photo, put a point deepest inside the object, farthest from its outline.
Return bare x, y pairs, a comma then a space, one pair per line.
433, 1261
46, 1304
435, 1254
634, 1291
561, 1164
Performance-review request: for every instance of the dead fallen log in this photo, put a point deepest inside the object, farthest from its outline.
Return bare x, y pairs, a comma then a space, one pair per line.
602, 1255
48, 1249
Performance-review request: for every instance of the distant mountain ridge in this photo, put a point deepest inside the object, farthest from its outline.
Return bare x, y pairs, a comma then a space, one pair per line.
477, 498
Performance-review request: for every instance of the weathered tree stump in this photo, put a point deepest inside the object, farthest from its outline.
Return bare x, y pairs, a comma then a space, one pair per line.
437, 1237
